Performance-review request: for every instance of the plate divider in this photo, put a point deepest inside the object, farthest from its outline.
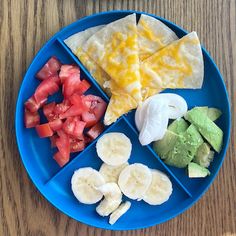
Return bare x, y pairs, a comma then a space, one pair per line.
80, 154
160, 161
82, 67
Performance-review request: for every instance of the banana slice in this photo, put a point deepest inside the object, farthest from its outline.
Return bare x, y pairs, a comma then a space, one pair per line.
160, 189
114, 148
112, 199
84, 183
121, 210
134, 180
111, 173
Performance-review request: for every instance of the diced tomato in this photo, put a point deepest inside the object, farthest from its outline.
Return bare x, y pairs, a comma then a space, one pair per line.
44, 130
60, 159
32, 105
56, 79
56, 124
77, 145
70, 85
69, 125
89, 118
63, 144
48, 109
50, 68
74, 110
68, 70
83, 86
79, 128
53, 140
95, 131
62, 107
31, 119
46, 87
77, 99
100, 109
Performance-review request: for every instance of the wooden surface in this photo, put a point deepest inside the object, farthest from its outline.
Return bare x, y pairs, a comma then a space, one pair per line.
25, 26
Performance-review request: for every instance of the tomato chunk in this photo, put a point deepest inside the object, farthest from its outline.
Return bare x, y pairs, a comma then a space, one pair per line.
31, 119
74, 110
48, 109
60, 159
50, 68
56, 124
79, 128
89, 118
62, 107
95, 131
46, 87
63, 144
44, 130
32, 105
83, 86
68, 70
77, 145
53, 140
70, 85
69, 125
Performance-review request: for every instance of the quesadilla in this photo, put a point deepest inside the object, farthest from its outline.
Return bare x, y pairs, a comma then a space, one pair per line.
153, 35
115, 49
178, 65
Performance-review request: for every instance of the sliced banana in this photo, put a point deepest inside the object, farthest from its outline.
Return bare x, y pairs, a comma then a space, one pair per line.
112, 199
111, 173
134, 180
160, 189
121, 210
84, 183
114, 148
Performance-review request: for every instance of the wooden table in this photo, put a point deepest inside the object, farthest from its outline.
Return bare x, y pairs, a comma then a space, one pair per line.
25, 26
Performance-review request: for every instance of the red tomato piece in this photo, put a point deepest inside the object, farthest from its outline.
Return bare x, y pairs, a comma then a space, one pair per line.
61, 107
83, 86
50, 68
56, 124
48, 109
74, 110
31, 119
63, 144
68, 70
77, 99
70, 85
89, 118
79, 128
95, 131
44, 130
32, 105
56, 79
46, 87
76, 145
69, 126
53, 140
60, 159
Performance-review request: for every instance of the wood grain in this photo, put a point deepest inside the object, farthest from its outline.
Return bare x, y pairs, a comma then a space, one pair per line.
24, 27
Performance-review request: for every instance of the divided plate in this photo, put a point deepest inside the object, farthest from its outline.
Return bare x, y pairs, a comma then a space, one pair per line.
54, 182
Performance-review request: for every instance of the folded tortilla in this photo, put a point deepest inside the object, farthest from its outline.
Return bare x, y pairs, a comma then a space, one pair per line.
153, 35
75, 43
115, 49
178, 65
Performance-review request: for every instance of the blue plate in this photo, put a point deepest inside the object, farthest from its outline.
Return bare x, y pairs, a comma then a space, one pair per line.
54, 182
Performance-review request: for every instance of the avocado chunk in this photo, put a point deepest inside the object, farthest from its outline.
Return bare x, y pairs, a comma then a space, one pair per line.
185, 148
178, 126
212, 113
208, 129
204, 155
166, 144
197, 171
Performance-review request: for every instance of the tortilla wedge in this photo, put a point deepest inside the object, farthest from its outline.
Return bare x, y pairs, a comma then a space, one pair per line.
178, 65
153, 35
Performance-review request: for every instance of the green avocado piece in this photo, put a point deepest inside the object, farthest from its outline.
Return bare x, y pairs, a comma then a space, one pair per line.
178, 126
166, 144
204, 155
185, 148
208, 129
197, 171
212, 113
